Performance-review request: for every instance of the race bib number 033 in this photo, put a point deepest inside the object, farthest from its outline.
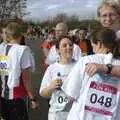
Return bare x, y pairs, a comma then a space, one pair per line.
3, 65
101, 98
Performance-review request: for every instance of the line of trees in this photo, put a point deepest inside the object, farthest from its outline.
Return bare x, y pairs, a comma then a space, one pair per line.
72, 21
9, 9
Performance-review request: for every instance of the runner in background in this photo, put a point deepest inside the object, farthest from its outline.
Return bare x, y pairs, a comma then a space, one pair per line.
61, 29
46, 45
84, 43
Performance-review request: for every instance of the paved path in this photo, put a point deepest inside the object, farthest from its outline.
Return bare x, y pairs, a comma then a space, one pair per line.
41, 112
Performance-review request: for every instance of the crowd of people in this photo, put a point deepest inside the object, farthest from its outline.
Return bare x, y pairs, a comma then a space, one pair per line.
82, 70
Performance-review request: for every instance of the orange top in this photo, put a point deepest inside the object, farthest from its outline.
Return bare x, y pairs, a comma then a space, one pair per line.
45, 45
83, 46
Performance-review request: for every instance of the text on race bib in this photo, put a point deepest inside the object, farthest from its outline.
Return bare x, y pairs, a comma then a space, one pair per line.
101, 98
62, 99
3, 65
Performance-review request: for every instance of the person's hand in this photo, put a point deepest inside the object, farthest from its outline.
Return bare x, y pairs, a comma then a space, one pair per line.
91, 68
55, 84
71, 99
34, 104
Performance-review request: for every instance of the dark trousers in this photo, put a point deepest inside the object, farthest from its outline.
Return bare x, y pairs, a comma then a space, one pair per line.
14, 109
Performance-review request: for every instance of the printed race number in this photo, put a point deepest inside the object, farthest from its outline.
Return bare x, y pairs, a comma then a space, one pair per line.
62, 99
3, 65
101, 98
106, 101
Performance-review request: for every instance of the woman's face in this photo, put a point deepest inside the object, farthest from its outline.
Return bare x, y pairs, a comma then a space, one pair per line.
109, 17
81, 34
66, 48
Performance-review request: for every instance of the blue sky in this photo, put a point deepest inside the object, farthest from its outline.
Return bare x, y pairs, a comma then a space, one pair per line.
44, 9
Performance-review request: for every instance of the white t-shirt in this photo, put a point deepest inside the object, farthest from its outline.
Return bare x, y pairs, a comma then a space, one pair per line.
27, 53
118, 34
18, 58
53, 55
58, 101
97, 97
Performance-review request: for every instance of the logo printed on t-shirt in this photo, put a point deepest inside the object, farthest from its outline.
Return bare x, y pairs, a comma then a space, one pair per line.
3, 65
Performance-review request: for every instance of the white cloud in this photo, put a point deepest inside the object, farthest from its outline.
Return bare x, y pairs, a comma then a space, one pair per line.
34, 6
72, 1
53, 7
92, 3
42, 9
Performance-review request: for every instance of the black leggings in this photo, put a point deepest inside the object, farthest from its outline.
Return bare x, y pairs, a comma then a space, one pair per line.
14, 109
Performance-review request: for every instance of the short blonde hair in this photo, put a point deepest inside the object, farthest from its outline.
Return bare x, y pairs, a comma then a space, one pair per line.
111, 4
13, 31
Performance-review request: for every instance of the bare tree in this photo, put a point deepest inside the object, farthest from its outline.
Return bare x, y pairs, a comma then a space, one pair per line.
9, 9
61, 17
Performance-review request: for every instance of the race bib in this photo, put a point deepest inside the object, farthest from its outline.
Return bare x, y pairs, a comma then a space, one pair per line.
61, 100
3, 65
101, 98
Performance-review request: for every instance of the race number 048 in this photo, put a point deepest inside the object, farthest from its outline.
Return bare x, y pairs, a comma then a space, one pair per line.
102, 100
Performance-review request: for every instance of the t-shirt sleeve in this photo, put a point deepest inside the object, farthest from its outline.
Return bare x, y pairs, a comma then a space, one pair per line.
73, 83
76, 52
27, 59
50, 56
46, 80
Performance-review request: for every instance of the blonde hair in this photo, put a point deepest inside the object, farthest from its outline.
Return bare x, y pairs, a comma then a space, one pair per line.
111, 4
13, 31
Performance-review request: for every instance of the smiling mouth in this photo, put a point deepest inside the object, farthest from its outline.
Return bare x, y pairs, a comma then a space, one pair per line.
108, 23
